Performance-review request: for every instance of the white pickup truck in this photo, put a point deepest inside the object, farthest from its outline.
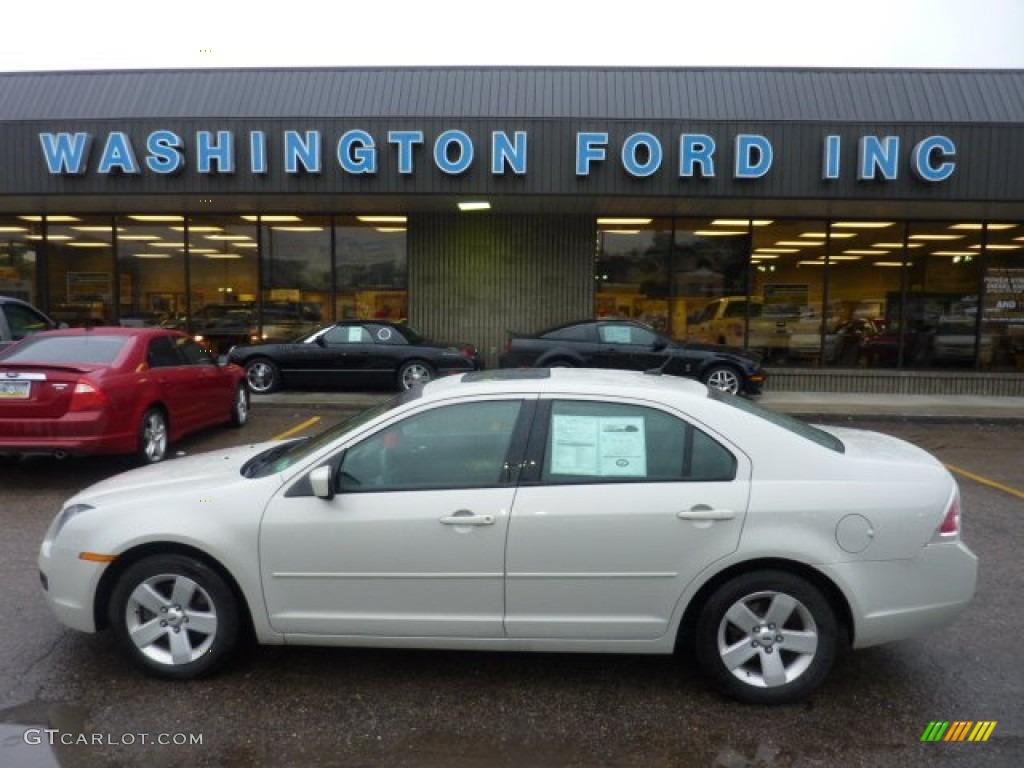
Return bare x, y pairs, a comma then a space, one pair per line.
722, 321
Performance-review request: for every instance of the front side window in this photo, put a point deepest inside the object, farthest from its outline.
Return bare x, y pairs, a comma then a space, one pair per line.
347, 334
456, 446
627, 334
592, 442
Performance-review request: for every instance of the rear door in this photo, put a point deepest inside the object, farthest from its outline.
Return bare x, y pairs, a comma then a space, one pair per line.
621, 505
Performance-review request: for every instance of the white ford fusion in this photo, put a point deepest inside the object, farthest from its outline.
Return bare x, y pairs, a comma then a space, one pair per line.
544, 510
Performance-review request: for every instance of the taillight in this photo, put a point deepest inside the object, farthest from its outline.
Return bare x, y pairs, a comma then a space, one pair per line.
469, 351
950, 527
87, 397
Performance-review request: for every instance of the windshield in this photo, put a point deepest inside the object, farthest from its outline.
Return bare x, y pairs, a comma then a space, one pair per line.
281, 457
790, 423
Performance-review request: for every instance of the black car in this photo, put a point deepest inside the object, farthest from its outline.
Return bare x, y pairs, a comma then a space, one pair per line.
631, 345
353, 353
19, 319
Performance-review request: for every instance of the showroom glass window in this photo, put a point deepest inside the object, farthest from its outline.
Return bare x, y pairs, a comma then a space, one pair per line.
631, 270
865, 281
20, 239
594, 442
223, 253
708, 261
938, 320
295, 253
456, 446
1002, 312
371, 268
80, 257
151, 262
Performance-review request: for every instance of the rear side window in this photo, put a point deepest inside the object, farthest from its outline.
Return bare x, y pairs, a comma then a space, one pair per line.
162, 354
592, 442
86, 348
572, 333
23, 321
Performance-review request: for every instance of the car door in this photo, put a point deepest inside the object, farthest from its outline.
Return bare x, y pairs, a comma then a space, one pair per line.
347, 353
412, 544
175, 383
620, 507
211, 385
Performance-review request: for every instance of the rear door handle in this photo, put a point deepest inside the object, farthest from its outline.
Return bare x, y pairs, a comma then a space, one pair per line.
704, 512
464, 517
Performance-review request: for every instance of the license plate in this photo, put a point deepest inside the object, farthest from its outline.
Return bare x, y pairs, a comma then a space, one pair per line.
14, 390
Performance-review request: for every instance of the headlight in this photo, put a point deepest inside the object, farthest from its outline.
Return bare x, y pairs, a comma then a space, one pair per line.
61, 520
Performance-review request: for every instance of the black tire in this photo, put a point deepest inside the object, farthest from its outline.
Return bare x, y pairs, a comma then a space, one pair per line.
725, 378
751, 663
240, 406
414, 373
154, 437
262, 375
175, 617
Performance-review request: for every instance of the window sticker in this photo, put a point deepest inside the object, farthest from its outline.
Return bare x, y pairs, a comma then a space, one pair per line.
355, 335
613, 334
602, 447
384, 334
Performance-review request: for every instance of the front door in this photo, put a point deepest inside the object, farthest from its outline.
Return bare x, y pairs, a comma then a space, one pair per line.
413, 542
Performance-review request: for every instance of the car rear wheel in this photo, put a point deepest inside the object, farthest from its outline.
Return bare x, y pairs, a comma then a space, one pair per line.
153, 437
767, 637
723, 377
240, 407
175, 616
414, 372
262, 375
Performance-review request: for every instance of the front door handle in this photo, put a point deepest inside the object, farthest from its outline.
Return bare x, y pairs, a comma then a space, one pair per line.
704, 512
465, 517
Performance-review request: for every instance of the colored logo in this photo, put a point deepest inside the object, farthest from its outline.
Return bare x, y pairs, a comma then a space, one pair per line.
958, 730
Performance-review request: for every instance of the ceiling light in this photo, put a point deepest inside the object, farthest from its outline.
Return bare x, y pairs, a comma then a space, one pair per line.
85, 244
13, 229
625, 222
863, 224
833, 235
888, 264
155, 217
953, 253
936, 237
224, 256
810, 263
720, 233
776, 250
227, 237
844, 258
800, 243
390, 229
100, 228
298, 229
865, 252
198, 229
383, 219
475, 205
167, 245
998, 247
741, 222
274, 218
152, 255
621, 231
51, 219
138, 237
981, 226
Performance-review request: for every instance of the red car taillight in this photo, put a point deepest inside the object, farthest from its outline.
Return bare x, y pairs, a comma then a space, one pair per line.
950, 527
87, 397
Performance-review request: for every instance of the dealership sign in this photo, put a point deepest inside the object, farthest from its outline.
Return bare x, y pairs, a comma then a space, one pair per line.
454, 152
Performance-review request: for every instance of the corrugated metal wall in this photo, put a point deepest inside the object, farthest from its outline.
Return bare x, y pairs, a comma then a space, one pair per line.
474, 277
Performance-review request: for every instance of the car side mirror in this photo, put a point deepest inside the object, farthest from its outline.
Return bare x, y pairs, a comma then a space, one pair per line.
321, 480
659, 345
320, 341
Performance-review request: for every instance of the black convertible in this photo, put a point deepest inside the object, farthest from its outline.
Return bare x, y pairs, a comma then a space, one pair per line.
632, 345
353, 353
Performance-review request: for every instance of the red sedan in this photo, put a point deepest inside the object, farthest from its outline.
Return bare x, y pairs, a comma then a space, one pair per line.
97, 390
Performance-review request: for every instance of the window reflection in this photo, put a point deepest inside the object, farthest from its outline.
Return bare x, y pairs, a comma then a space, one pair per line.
1002, 321
296, 276
152, 276
631, 270
81, 269
372, 270
19, 244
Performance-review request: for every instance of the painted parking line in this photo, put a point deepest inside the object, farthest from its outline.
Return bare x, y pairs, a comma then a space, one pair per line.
985, 481
297, 428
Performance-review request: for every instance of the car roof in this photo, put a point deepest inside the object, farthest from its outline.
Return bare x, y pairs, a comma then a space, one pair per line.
584, 381
108, 330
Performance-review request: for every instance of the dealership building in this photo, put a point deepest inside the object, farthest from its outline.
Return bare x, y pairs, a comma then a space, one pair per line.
864, 229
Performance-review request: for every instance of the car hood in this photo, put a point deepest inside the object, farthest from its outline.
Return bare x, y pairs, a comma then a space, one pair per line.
197, 473
876, 446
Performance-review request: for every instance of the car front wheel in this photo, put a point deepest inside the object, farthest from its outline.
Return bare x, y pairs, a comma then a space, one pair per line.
175, 616
413, 373
724, 378
263, 376
767, 637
